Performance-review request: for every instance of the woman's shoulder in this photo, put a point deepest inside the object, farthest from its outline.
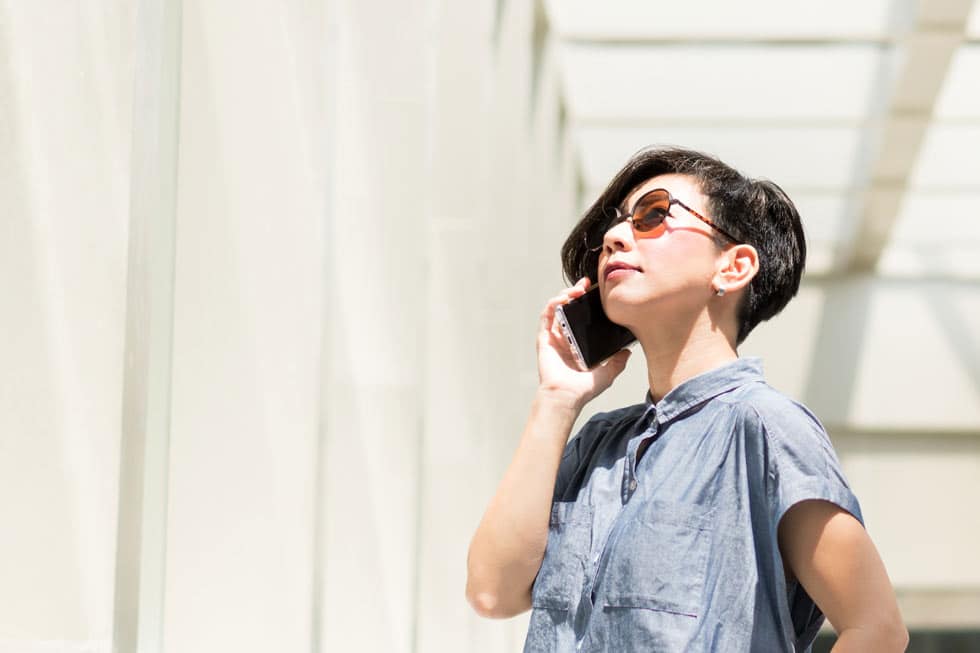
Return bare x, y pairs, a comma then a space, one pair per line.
619, 415
772, 410
601, 424
597, 442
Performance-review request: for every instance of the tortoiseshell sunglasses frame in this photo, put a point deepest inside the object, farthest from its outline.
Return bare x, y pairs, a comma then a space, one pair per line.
671, 200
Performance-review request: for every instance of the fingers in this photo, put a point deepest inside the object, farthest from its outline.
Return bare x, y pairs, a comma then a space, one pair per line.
570, 293
581, 286
566, 295
547, 321
619, 359
614, 365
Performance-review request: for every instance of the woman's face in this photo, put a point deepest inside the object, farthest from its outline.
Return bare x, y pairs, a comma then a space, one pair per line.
669, 270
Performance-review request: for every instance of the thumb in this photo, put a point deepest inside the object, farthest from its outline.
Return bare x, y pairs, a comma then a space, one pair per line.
614, 366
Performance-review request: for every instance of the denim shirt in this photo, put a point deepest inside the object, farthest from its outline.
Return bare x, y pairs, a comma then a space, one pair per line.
663, 528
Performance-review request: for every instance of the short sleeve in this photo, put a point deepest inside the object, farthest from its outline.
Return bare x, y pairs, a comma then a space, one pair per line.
567, 466
801, 465
576, 457
802, 462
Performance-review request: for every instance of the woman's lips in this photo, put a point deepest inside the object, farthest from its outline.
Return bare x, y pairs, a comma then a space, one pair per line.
620, 273
618, 270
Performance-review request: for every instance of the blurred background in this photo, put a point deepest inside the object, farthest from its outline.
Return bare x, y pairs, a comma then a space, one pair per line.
271, 275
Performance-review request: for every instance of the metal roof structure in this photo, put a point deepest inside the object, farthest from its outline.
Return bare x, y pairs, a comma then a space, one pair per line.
868, 114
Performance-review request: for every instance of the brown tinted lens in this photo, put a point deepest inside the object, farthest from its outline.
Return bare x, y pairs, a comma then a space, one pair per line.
650, 210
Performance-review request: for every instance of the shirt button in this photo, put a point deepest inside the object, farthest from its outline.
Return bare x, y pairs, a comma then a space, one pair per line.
632, 485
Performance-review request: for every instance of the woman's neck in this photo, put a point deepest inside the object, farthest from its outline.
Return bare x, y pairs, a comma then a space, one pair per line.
673, 358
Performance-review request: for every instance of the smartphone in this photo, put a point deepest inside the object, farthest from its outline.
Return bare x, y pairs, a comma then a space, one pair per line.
592, 336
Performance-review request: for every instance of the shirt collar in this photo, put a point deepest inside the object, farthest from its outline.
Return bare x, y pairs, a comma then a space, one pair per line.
705, 386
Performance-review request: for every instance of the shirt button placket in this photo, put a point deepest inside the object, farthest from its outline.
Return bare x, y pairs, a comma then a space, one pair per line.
629, 473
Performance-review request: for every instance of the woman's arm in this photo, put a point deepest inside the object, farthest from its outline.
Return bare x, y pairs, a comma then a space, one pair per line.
508, 546
833, 557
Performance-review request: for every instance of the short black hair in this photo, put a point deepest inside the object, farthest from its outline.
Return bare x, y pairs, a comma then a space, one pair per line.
756, 211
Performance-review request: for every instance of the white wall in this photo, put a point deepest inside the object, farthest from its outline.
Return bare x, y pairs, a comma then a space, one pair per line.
65, 117
364, 202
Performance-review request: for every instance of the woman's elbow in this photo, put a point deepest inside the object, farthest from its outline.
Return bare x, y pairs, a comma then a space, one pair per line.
486, 604
489, 603
901, 637
882, 638
895, 632
895, 638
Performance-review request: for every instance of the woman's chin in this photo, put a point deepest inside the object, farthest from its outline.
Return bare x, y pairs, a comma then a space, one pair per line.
620, 312
623, 296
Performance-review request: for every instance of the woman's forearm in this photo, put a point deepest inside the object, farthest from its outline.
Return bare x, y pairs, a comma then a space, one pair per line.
508, 546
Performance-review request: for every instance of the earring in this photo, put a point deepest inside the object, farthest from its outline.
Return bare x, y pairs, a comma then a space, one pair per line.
720, 292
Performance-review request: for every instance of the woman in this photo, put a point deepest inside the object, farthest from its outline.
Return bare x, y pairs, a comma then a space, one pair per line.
714, 516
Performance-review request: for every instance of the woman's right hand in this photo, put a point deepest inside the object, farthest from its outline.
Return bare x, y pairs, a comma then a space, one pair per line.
558, 372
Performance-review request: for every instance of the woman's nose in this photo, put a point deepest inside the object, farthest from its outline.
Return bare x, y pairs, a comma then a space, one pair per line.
619, 237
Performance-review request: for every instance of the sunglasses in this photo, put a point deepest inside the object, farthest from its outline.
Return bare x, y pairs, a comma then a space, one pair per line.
649, 213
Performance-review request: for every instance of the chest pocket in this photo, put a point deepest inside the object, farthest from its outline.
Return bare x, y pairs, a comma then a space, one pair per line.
660, 561
559, 583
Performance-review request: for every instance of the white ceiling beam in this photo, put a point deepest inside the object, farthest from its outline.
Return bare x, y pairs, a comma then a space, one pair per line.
926, 52
708, 40
699, 21
748, 122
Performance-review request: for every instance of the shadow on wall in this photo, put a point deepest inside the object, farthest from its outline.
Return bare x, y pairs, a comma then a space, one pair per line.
841, 336
956, 327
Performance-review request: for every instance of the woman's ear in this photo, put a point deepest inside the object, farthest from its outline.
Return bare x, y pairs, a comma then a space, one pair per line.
737, 267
